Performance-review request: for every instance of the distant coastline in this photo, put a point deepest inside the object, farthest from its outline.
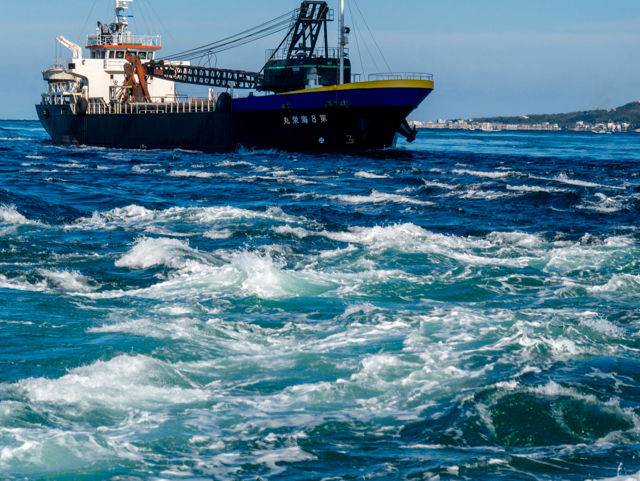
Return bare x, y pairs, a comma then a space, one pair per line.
622, 119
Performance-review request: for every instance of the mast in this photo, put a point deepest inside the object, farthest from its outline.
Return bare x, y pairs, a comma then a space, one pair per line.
342, 42
121, 18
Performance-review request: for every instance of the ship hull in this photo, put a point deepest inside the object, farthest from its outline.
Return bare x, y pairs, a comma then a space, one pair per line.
325, 119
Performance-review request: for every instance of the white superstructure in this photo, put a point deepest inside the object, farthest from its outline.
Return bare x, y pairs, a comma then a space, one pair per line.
100, 77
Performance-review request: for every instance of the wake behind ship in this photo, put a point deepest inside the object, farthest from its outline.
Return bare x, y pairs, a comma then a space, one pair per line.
305, 98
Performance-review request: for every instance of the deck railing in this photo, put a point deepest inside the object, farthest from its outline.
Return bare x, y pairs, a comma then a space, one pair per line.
333, 53
181, 106
400, 76
99, 40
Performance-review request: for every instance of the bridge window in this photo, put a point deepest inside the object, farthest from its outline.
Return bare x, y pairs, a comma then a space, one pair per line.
142, 55
112, 54
119, 54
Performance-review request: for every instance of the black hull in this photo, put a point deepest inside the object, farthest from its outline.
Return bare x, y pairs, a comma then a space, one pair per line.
351, 129
344, 118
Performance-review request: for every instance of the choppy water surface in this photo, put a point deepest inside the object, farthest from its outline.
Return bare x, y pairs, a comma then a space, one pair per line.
464, 308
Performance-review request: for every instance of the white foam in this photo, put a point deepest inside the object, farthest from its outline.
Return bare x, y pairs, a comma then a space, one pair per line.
74, 165
581, 183
440, 185
122, 383
201, 175
285, 455
521, 239
43, 280
375, 198
68, 281
238, 163
138, 217
491, 175
534, 188
604, 205
55, 179
478, 194
10, 215
149, 252
296, 231
602, 326
370, 175
218, 234
619, 284
399, 233
245, 274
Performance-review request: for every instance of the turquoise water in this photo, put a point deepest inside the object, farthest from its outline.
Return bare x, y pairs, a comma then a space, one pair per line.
467, 307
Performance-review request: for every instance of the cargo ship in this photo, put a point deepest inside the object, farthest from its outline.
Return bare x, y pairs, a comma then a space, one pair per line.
123, 94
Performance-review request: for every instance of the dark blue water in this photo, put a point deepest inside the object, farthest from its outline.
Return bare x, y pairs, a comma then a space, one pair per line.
466, 307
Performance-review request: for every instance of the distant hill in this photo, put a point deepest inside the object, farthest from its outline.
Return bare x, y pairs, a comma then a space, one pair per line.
629, 113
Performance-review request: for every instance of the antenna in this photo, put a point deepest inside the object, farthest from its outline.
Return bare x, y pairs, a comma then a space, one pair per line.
121, 18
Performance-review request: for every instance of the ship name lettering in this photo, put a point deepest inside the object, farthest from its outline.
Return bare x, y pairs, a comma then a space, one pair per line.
313, 119
323, 118
296, 120
286, 121
305, 119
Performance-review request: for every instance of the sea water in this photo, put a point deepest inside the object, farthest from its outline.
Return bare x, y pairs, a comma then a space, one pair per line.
463, 307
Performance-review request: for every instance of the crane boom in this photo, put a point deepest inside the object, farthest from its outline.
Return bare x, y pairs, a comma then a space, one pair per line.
77, 51
212, 77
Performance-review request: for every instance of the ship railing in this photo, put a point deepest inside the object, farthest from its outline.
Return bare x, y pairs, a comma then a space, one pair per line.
400, 76
127, 40
156, 106
333, 53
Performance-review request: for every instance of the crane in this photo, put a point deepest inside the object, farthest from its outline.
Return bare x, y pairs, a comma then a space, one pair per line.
77, 51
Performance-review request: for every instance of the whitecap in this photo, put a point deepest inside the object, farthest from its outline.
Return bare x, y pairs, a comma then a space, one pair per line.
440, 185
150, 252
604, 205
374, 198
581, 183
201, 175
218, 234
10, 215
285, 455
534, 188
492, 175
45, 280
601, 325
124, 382
138, 217
370, 175
237, 163
619, 284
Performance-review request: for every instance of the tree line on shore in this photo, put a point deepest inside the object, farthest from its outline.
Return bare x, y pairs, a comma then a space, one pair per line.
629, 113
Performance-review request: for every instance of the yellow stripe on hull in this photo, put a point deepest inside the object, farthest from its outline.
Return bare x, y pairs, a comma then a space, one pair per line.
376, 84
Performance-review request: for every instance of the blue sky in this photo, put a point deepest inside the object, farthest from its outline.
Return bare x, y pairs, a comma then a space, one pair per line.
489, 57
